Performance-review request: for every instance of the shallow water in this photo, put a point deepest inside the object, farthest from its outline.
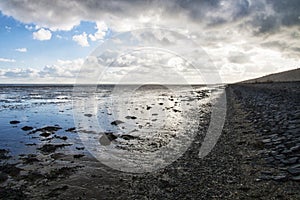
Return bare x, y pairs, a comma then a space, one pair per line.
153, 121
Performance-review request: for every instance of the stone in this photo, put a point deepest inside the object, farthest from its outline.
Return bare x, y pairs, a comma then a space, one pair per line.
130, 117
294, 171
296, 178
295, 148
73, 129
78, 156
280, 156
3, 177
14, 122
128, 137
266, 140
116, 122
279, 178
45, 134
27, 128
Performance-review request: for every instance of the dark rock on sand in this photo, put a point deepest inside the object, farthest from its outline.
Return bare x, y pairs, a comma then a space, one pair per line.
14, 122
29, 159
73, 129
30, 144
45, 134
10, 193
130, 117
148, 107
106, 138
57, 191
80, 148
56, 156
88, 115
78, 155
50, 148
128, 137
3, 154
61, 137
27, 128
47, 129
60, 173
116, 122
10, 169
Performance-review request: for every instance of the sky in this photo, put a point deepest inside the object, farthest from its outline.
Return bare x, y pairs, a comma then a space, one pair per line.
127, 41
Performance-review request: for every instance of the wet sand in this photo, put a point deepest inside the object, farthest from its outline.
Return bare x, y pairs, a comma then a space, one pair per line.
256, 157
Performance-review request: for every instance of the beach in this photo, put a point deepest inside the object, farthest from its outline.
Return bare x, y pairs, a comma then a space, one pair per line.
44, 156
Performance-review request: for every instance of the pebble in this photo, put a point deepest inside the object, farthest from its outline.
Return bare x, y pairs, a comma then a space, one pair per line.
27, 128
294, 171
14, 122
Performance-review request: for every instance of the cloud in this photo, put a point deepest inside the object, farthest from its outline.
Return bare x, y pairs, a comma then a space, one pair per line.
28, 27
23, 50
238, 57
239, 36
81, 39
62, 70
100, 33
18, 73
42, 34
7, 60
52, 14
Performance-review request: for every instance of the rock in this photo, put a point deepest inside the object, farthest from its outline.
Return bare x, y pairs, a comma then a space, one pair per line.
103, 140
50, 148
279, 178
148, 107
60, 172
78, 155
116, 122
56, 156
110, 136
29, 159
61, 137
296, 178
106, 138
175, 110
295, 148
266, 140
128, 137
280, 157
30, 144
88, 115
3, 154
130, 117
14, 122
3, 177
80, 148
45, 134
73, 129
51, 129
265, 177
10, 169
27, 128
294, 171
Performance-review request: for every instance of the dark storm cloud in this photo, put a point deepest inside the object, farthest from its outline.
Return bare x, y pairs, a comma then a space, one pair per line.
264, 15
288, 11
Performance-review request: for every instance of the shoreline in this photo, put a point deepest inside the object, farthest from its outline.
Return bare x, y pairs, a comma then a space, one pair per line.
250, 160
